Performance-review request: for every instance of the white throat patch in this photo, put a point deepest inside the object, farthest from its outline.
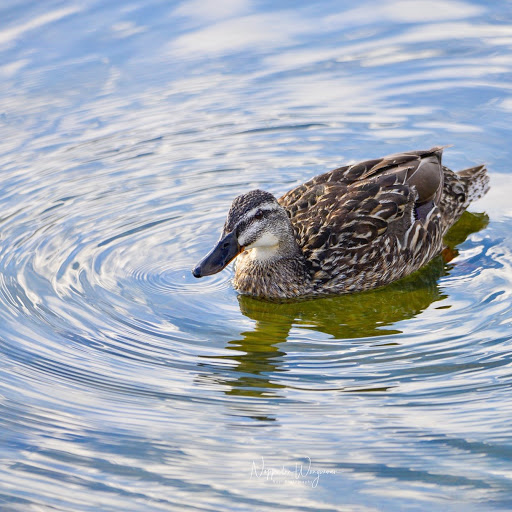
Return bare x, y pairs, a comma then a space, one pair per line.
265, 248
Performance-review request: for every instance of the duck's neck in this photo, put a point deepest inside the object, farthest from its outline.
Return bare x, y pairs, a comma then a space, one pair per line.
278, 271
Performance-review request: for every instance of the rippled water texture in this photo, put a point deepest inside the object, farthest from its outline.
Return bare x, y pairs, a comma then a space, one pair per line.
126, 385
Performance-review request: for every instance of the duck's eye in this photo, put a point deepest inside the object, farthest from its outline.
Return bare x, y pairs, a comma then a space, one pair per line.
258, 215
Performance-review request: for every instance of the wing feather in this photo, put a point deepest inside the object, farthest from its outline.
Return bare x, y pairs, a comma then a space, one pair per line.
364, 214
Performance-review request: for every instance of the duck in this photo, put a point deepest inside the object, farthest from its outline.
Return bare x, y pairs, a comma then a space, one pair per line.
351, 229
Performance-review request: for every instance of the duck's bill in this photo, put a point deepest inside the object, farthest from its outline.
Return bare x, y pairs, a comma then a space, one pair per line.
219, 257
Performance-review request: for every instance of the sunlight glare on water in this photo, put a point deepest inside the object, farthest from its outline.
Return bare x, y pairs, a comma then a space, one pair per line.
125, 132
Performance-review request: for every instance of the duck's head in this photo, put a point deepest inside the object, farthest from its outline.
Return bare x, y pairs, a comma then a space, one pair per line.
256, 222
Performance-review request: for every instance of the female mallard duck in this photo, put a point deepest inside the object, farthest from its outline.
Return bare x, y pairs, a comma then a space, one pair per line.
350, 229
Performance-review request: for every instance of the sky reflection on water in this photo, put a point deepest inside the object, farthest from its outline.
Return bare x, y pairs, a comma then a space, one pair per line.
126, 384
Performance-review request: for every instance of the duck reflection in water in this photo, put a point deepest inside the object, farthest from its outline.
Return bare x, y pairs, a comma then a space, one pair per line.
259, 356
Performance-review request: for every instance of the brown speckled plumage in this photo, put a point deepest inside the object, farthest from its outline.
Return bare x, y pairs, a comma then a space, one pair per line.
351, 229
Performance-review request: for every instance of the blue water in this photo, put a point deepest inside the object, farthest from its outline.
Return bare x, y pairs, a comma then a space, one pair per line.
126, 129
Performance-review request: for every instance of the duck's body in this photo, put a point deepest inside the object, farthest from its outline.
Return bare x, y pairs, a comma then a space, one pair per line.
351, 229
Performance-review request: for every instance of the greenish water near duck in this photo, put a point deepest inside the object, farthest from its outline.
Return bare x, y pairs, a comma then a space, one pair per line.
125, 383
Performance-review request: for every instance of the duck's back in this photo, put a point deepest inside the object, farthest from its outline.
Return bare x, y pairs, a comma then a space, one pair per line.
367, 224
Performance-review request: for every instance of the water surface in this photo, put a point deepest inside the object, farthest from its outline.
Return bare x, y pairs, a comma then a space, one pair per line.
125, 132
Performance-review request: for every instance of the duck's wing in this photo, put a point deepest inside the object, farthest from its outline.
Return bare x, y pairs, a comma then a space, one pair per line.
348, 225
421, 169
330, 215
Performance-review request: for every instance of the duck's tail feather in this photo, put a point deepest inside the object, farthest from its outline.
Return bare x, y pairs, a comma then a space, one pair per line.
476, 183
459, 190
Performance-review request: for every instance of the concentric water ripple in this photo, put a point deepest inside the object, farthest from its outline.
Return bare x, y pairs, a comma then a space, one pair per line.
126, 384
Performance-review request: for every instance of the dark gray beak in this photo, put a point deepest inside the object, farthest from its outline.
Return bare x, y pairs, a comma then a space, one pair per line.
218, 258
